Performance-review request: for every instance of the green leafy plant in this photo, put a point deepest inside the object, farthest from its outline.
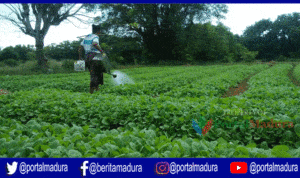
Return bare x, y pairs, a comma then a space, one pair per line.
57, 117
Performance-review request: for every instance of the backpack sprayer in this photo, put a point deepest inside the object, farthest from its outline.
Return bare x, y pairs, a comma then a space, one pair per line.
80, 65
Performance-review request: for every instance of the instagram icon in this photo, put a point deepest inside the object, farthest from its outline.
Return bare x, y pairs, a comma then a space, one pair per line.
162, 168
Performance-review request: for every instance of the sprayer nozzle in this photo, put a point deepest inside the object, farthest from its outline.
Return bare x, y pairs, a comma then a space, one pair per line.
114, 75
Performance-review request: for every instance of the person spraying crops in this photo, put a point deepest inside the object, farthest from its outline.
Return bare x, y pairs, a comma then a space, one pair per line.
95, 59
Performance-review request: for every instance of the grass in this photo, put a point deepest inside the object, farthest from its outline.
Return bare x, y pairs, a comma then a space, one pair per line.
31, 67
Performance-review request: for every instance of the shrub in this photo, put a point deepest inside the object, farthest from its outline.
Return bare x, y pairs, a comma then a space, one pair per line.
282, 58
119, 59
11, 62
114, 64
29, 66
55, 66
189, 57
249, 56
271, 63
228, 58
68, 64
8, 53
31, 55
2, 64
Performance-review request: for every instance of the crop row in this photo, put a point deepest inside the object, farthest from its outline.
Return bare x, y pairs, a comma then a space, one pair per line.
172, 116
169, 116
42, 140
270, 92
296, 72
192, 83
80, 81
103, 111
161, 81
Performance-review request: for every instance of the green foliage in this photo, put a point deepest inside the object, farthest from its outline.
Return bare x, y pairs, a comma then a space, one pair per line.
23, 51
297, 129
189, 58
57, 117
31, 56
64, 50
11, 62
296, 73
55, 66
68, 64
8, 53
2, 64
277, 39
18, 53
160, 37
205, 42
295, 55
297, 120
282, 58
43, 140
246, 55
115, 47
122, 50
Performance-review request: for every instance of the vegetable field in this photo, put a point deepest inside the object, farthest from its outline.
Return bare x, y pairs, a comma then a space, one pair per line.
55, 116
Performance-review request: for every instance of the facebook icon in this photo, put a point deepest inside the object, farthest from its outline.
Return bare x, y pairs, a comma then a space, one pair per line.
84, 168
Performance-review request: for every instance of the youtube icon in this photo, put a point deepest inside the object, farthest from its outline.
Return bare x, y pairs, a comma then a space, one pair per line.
238, 167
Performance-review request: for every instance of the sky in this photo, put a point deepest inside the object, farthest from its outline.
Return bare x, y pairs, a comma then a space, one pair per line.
239, 16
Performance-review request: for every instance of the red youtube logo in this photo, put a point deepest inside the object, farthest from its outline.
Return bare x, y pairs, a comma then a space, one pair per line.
238, 167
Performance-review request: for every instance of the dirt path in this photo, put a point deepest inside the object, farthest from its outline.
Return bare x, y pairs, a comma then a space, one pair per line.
240, 88
291, 76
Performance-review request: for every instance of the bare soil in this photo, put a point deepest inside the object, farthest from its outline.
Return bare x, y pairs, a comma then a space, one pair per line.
240, 88
291, 76
243, 86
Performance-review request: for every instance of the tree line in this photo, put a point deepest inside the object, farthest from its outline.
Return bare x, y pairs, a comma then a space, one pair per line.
272, 40
154, 33
199, 43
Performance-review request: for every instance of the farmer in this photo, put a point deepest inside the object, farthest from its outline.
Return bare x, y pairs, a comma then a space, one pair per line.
95, 59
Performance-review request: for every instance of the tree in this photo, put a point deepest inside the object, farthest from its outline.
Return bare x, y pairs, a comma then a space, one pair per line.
273, 39
285, 27
158, 25
22, 52
64, 50
44, 16
208, 43
260, 37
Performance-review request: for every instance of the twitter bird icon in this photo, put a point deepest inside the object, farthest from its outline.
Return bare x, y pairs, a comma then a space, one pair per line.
11, 169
